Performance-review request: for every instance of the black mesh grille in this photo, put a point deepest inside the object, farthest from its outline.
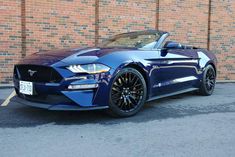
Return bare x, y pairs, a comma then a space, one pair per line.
48, 99
36, 73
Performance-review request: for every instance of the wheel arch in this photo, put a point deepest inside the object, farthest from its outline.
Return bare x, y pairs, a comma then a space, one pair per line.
213, 65
143, 73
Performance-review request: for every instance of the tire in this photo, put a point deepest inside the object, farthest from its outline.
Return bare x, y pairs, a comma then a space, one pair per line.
208, 81
127, 93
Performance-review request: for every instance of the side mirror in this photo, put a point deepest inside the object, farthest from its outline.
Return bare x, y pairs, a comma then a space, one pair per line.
172, 45
164, 52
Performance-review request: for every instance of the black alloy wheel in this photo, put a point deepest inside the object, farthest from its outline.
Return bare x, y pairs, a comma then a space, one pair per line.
208, 81
128, 93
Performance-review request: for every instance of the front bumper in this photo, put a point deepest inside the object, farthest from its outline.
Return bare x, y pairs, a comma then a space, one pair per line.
45, 94
60, 107
59, 97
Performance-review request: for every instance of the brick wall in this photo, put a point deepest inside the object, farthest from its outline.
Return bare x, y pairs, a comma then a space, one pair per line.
187, 21
222, 36
59, 24
10, 37
120, 16
28, 26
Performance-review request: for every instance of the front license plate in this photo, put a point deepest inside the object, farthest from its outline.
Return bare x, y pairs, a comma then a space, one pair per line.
26, 87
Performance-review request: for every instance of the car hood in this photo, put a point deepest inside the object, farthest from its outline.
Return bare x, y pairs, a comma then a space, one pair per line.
69, 56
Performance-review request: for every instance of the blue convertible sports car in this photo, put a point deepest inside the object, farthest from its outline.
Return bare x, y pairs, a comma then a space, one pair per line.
119, 75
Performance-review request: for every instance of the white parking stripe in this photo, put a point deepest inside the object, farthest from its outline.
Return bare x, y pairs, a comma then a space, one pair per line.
6, 102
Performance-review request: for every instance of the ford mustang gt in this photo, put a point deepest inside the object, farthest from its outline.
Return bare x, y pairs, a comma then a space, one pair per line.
119, 75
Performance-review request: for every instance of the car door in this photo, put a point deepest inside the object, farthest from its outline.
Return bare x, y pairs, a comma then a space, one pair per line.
173, 70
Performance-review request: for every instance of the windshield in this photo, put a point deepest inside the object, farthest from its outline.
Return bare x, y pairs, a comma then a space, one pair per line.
141, 40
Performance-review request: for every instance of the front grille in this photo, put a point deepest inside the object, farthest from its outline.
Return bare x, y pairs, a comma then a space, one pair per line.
48, 99
37, 73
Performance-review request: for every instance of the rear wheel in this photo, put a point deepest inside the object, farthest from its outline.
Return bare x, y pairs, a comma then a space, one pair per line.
208, 81
128, 93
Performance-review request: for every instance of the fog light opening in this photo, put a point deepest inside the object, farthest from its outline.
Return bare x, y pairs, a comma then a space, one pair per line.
83, 86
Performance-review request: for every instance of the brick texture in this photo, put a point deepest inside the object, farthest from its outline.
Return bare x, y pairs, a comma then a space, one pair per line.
28, 26
223, 36
10, 37
187, 21
58, 24
119, 16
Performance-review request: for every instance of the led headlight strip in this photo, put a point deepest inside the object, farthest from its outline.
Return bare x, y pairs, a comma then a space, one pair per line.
89, 68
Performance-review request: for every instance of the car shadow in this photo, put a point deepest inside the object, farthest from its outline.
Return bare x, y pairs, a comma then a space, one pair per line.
16, 115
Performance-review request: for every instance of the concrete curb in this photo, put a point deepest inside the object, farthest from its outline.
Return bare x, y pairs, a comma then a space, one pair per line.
2, 86
225, 81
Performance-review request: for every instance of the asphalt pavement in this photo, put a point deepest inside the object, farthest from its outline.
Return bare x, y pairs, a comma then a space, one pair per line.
183, 125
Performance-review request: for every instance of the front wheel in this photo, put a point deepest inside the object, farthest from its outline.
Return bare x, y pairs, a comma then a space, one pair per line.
128, 93
208, 81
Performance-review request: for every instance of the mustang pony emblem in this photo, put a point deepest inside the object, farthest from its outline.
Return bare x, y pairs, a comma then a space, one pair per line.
31, 72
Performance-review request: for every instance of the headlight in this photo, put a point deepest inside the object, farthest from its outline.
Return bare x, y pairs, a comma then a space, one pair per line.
89, 68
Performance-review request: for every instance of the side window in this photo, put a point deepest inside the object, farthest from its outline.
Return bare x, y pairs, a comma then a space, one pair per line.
174, 44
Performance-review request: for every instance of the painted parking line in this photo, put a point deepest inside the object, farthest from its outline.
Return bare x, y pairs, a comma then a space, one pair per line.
6, 102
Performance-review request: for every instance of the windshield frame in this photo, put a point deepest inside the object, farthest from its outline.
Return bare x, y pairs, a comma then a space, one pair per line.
157, 41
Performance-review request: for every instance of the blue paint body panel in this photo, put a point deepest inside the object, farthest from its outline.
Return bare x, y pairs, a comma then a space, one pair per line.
165, 73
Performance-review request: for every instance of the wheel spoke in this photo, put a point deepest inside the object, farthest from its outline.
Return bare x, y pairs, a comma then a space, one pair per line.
130, 103
133, 79
119, 102
115, 99
136, 86
135, 82
129, 78
138, 94
126, 78
133, 100
121, 105
115, 89
116, 85
117, 94
122, 81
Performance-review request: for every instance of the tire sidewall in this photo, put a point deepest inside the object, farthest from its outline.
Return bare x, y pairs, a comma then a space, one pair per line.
203, 86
